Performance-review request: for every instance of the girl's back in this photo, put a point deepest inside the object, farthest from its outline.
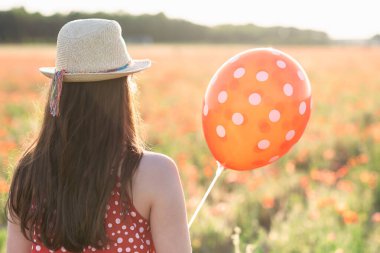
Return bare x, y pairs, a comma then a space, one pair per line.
156, 175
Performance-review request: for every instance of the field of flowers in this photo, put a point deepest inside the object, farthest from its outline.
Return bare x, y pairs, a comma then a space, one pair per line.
323, 196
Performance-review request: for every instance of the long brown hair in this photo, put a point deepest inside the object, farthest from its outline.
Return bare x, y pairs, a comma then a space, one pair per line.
64, 179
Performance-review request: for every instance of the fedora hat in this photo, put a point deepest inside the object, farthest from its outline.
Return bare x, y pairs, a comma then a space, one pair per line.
90, 50
93, 50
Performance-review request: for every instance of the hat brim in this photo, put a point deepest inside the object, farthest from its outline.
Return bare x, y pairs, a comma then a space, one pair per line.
135, 66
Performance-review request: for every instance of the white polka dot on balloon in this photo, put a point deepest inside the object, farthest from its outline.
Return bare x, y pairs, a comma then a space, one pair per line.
38, 247
288, 89
262, 76
220, 131
254, 99
117, 220
130, 240
133, 214
141, 229
300, 74
222, 96
274, 115
302, 108
205, 110
110, 225
237, 118
263, 144
238, 73
119, 240
290, 135
281, 64
147, 242
119, 250
128, 249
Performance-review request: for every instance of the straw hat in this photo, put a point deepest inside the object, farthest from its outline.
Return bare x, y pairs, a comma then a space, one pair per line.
93, 50
90, 50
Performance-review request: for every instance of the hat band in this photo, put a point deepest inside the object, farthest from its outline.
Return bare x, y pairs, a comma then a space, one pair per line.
117, 69
56, 88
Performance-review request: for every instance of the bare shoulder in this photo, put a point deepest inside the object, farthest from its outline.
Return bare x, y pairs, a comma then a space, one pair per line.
153, 163
167, 214
156, 174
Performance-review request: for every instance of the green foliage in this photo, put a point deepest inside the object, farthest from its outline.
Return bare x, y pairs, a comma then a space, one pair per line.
17, 25
20, 120
3, 239
375, 39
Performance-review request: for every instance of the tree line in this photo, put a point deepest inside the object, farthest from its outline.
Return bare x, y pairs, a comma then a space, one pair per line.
19, 26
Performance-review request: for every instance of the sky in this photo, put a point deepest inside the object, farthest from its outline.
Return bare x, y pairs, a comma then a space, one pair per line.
341, 19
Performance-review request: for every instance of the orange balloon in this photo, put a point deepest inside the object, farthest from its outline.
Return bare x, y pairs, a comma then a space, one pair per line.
256, 108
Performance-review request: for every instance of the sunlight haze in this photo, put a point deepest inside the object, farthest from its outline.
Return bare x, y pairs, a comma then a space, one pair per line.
340, 19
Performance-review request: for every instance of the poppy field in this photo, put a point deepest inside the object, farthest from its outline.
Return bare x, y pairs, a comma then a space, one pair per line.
323, 196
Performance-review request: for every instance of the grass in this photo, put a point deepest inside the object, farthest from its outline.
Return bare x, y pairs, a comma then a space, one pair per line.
3, 239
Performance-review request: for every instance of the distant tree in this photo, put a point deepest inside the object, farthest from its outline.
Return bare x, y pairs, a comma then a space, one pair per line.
17, 25
375, 39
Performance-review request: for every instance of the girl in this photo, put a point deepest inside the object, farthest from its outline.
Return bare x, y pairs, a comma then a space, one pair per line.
86, 184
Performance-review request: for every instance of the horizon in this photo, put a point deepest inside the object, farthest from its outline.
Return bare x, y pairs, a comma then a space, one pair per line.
337, 24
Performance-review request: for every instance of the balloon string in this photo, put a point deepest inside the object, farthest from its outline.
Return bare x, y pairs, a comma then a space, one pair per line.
217, 174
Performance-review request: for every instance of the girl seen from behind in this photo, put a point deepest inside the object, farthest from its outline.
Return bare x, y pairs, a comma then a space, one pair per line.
86, 184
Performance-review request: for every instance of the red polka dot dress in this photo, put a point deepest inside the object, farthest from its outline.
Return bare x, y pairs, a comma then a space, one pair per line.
132, 234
